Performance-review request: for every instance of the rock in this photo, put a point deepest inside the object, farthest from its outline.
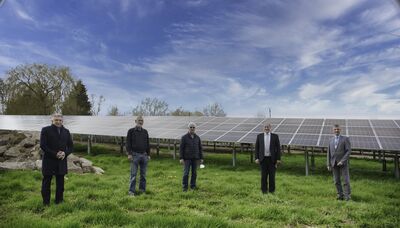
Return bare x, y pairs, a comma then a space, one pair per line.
16, 138
38, 164
17, 165
2, 159
72, 167
3, 149
97, 170
12, 152
28, 142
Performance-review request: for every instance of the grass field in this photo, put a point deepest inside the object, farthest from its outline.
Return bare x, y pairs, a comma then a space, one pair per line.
227, 197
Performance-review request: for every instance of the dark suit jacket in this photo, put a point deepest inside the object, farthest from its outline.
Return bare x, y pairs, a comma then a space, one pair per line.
274, 147
51, 142
190, 148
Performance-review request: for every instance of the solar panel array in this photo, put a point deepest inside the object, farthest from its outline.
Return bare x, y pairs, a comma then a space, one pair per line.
363, 133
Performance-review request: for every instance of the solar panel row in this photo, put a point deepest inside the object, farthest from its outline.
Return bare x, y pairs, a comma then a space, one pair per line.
364, 134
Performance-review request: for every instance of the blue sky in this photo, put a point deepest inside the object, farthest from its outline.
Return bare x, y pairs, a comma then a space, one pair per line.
301, 58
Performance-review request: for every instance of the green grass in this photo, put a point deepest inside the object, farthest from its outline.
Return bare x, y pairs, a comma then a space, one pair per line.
227, 196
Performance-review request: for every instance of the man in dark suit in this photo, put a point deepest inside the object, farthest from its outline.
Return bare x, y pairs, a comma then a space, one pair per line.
337, 160
268, 155
56, 144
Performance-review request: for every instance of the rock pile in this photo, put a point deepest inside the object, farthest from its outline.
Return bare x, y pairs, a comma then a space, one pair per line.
21, 150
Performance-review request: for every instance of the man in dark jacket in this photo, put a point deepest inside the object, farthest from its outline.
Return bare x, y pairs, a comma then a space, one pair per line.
138, 148
268, 155
56, 143
190, 152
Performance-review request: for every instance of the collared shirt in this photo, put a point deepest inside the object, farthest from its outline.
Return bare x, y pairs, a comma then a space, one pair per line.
336, 141
267, 140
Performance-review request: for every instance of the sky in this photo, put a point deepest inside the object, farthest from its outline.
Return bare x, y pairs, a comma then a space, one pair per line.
300, 58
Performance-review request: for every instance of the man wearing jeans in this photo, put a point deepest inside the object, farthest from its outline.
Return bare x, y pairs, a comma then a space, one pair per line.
190, 152
138, 148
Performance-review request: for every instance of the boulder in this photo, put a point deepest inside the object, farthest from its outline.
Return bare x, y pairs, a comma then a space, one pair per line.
97, 170
17, 165
12, 152
28, 142
38, 164
3, 149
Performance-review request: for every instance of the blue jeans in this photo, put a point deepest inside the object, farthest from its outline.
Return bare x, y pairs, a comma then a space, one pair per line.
138, 160
187, 164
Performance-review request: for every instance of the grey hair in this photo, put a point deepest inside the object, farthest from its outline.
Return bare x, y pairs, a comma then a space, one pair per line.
56, 115
336, 126
191, 124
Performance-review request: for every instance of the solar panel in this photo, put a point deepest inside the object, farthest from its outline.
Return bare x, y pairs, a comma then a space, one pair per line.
232, 136
358, 123
292, 121
364, 134
391, 132
313, 122
361, 142
390, 143
250, 138
331, 122
384, 123
309, 129
244, 127
284, 139
305, 140
286, 129
367, 131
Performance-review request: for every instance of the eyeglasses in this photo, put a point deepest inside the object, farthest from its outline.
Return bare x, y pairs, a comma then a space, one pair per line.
192, 127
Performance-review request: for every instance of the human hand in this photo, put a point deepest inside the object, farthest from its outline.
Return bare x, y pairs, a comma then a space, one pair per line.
257, 161
148, 157
329, 168
181, 161
129, 157
340, 164
201, 161
278, 162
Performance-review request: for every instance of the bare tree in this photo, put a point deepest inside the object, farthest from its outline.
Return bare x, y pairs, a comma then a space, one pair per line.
96, 104
113, 111
46, 86
214, 110
151, 107
3, 94
182, 112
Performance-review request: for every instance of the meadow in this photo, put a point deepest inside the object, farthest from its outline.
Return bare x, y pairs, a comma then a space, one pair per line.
227, 196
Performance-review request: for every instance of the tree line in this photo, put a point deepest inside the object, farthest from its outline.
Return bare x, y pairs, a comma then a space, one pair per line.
41, 89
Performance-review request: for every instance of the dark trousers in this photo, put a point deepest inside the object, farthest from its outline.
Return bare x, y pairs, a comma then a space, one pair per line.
343, 171
267, 175
192, 163
46, 185
140, 160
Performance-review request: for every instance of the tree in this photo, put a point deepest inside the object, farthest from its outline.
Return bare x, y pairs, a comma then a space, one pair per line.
96, 104
151, 107
3, 95
77, 102
45, 87
113, 111
214, 110
181, 112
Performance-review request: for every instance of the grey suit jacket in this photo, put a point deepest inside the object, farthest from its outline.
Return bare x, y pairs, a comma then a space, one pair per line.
341, 153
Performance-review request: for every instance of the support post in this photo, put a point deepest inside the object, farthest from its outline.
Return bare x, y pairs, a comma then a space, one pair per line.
122, 145
89, 145
383, 162
306, 158
234, 155
174, 149
396, 166
158, 147
288, 149
312, 159
214, 148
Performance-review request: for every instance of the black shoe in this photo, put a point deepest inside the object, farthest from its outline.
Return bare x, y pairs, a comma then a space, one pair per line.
184, 190
339, 198
194, 188
264, 192
59, 201
46, 204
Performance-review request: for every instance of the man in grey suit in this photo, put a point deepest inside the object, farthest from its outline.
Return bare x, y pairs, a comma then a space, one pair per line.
338, 155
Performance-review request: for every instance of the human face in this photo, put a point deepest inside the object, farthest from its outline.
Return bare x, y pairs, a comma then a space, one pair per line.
58, 121
336, 131
139, 122
267, 128
192, 129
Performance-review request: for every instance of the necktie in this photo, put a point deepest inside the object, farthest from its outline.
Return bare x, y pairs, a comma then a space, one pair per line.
336, 141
